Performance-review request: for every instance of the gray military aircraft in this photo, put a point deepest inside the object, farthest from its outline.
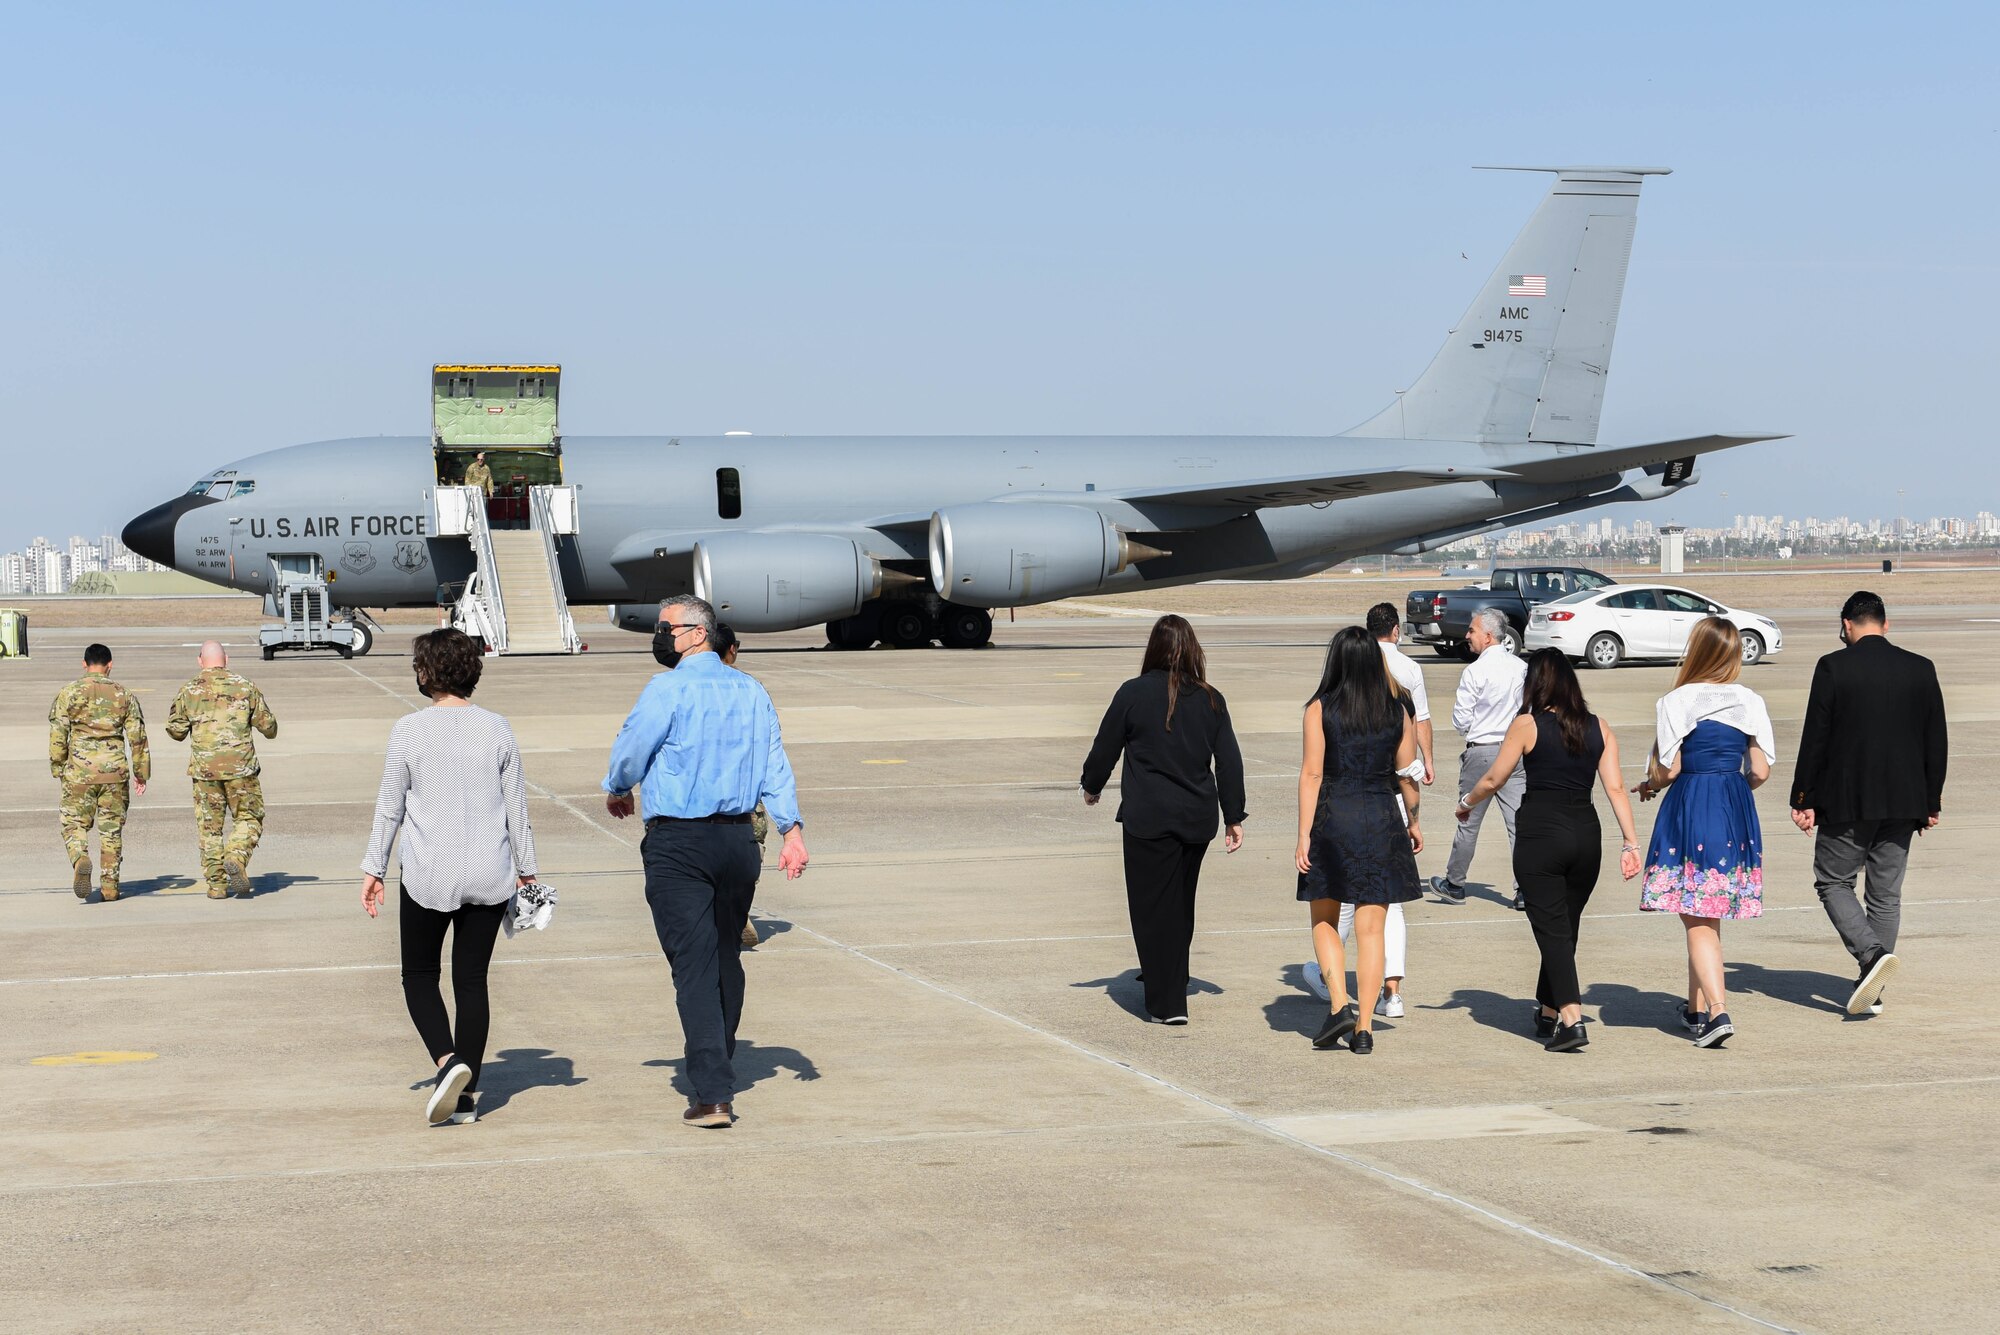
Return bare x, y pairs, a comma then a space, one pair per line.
912, 539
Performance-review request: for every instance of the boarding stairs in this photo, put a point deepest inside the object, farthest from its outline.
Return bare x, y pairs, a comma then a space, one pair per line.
514, 601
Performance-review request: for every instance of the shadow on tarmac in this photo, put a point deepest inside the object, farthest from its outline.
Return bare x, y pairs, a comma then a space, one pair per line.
153, 885
1129, 991
753, 1063
271, 882
1809, 988
515, 1070
768, 928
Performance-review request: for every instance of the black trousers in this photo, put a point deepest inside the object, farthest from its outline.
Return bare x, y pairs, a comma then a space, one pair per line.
699, 879
473, 929
1160, 877
1558, 847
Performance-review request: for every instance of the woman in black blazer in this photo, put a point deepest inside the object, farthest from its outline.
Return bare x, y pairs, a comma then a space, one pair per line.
1182, 768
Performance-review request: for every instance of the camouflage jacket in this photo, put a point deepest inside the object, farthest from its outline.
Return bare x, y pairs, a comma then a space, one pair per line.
219, 709
91, 723
480, 476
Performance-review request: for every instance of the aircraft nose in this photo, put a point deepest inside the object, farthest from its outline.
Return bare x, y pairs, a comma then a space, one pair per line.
152, 533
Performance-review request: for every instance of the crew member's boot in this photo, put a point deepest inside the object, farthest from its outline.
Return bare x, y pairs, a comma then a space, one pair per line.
239, 878
80, 878
109, 888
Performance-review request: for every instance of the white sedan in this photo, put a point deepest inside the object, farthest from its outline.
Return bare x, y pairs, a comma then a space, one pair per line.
1603, 627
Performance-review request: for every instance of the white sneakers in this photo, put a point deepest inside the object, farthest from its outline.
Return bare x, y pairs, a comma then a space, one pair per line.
1389, 1005
452, 1078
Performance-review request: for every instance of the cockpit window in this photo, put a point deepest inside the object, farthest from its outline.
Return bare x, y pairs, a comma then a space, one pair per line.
243, 488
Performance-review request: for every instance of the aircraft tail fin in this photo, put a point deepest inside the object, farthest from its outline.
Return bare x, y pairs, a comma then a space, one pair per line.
1528, 360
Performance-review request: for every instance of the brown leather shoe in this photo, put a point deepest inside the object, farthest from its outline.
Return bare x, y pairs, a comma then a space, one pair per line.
716, 1116
108, 891
749, 936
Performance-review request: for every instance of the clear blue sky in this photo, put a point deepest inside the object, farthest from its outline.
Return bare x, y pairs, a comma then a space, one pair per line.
226, 230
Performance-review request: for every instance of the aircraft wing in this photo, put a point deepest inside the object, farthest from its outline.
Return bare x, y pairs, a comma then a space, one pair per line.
1266, 493
1595, 460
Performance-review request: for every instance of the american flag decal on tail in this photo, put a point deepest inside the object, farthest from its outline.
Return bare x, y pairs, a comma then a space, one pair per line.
1528, 285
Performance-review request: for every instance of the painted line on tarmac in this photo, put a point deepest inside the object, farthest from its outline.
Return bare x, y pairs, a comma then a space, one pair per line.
1279, 1133
302, 968
1484, 921
691, 1146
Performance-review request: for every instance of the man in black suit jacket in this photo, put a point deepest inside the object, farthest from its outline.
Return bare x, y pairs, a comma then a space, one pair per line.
1870, 774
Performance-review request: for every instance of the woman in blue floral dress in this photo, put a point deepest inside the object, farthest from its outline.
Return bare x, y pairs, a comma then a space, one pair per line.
1706, 860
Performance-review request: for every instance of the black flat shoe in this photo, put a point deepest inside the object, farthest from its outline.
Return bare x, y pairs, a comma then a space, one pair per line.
1545, 1025
1568, 1038
1338, 1026
1362, 1041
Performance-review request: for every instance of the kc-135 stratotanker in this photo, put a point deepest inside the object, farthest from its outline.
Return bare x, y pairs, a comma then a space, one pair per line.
910, 539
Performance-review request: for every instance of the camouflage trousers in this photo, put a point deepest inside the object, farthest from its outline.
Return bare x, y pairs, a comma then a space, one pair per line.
100, 804
215, 798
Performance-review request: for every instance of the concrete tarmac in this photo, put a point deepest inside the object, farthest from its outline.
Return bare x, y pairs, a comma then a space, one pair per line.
952, 1117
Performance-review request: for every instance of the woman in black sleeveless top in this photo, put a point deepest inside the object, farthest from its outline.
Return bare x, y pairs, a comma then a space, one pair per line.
1557, 842
1357, 843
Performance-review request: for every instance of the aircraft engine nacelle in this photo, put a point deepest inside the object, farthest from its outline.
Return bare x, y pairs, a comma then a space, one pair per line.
781, 581
1002, 554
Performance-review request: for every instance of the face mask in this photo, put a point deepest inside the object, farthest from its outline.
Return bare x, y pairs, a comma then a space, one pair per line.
665, 652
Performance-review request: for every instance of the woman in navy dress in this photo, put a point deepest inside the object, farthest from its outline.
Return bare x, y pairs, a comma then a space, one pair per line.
1357, 841
1706, 860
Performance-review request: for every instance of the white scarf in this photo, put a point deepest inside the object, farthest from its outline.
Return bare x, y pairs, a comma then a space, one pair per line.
1732, 704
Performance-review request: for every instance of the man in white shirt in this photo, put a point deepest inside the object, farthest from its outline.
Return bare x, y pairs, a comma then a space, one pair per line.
1489, 699
1386, 625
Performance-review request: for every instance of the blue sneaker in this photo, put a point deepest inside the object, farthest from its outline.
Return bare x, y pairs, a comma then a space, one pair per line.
1714, 1031
1446, 892
1691, 1020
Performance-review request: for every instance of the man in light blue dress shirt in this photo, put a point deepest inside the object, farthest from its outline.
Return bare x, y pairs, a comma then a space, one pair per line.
702, 747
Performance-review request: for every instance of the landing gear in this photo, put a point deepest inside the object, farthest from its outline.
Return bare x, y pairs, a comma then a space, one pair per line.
364, 639
906, 626
912, 625
855, 632
965, 627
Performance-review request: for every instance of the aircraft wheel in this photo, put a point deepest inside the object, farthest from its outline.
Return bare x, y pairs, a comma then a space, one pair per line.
1753, 648
364, 639
855, 632
1603, 651
906, 628
965, 627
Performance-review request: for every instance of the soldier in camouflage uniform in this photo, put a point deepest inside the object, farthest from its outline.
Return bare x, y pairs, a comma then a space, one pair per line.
219, 708
91, 723
479, 475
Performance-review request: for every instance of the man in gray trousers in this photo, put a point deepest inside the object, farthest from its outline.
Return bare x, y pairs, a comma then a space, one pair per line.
1870, 776
1489, 698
